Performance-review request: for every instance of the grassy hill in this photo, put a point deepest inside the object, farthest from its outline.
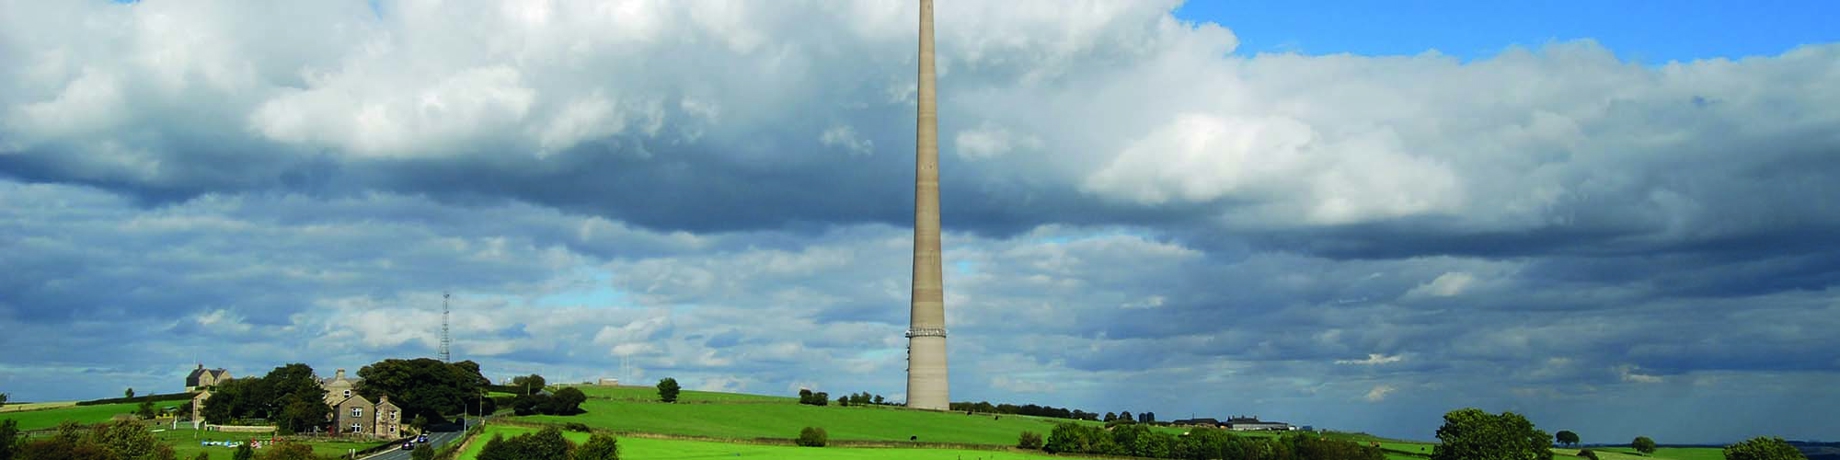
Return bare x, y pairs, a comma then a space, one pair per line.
52, 415
737, 416
642, 448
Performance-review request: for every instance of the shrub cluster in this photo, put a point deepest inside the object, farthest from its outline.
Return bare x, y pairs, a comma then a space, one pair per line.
1139, 441
1029, 440
815, 399
548, 444
813, 436
566, 401
1587, 453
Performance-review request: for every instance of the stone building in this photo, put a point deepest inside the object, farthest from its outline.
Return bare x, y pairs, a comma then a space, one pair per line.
354, 414
202, 378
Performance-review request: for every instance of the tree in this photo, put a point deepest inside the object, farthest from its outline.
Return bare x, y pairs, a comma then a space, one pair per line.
812, 436
3, 397
145, 410
532, 383
667, 390
1643, 444
9, 439
243, 451
1471, 433
878, 400
128, 394
566, 401
1147, 417
1126, 417
423, 386
1566, 437
1111, 417
599, 447
1763, 448
202, 456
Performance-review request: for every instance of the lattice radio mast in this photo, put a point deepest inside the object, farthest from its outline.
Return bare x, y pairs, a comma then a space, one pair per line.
445, 340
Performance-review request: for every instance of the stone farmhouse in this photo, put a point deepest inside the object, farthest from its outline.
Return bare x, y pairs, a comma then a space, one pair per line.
202, 378
352, 413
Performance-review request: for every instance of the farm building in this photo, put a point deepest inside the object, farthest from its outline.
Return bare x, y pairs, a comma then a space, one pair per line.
202, 378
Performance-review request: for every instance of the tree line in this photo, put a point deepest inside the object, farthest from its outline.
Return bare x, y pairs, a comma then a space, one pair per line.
1027, 409
1139, 440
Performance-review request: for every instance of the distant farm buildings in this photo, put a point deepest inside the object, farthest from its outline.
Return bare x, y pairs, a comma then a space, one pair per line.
1240, 423
1254, 424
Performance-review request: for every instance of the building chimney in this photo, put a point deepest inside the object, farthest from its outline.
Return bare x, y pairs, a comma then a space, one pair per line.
340, 375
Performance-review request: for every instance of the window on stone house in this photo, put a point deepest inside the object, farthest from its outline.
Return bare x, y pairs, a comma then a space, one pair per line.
357, 412
356, 428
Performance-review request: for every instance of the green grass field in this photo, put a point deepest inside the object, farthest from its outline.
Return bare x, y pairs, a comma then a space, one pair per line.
650, 394
1662, 453
743, 416
185, 442
660, 449
50, 418
783, 420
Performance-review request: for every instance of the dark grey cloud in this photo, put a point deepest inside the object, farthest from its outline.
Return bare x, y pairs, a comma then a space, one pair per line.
1134, 215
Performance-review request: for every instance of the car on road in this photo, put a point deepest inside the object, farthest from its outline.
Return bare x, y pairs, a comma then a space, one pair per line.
408, 446
423, 439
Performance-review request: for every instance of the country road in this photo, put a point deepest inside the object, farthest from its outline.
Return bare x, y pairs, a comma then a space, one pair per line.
436, 439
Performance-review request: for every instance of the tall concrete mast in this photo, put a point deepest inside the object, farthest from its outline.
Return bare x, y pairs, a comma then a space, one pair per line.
926, 332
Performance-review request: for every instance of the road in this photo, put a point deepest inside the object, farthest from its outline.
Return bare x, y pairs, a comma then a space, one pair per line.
437, 437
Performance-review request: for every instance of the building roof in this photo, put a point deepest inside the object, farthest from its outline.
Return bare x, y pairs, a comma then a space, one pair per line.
191, 380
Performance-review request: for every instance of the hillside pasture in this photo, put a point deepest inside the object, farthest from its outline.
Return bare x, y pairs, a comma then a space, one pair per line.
632, 448
50, 418
783, 421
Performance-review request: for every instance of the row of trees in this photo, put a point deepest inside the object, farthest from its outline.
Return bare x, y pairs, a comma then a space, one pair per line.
811, 398
548, 444
862, 399
1028, 409
1140, 441
1471, 433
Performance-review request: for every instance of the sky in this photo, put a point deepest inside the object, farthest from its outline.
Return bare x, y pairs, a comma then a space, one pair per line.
1615, 218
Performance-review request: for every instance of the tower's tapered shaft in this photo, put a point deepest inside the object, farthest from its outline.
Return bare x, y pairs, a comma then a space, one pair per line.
926, 333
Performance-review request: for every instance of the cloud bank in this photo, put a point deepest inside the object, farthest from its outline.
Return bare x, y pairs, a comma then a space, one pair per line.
1136, 218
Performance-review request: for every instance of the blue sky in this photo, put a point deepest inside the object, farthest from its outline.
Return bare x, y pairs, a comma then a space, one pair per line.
1652, 32
1355, 237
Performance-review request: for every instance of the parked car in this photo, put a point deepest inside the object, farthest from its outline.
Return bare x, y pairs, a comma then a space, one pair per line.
408, 446
423, 439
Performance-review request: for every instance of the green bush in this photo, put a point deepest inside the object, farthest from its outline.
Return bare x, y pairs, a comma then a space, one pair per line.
1029, 440
1587, 453
576, 426
599, 447
1763, 448
813, 436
